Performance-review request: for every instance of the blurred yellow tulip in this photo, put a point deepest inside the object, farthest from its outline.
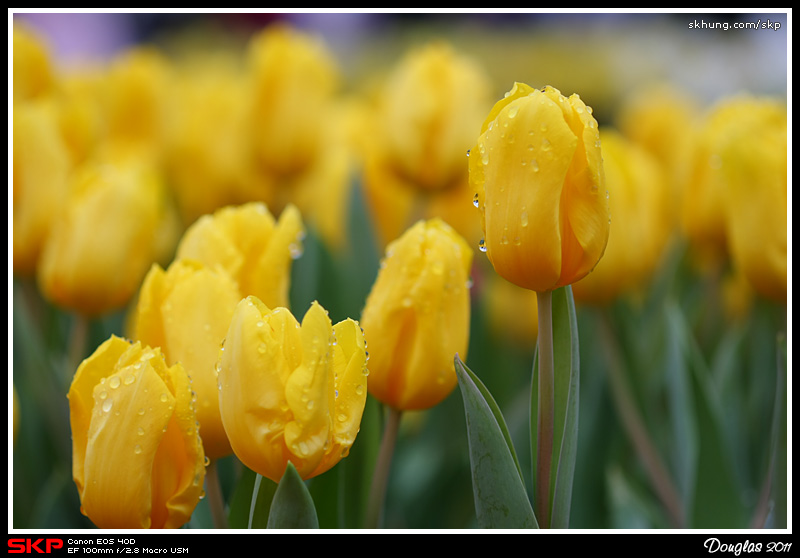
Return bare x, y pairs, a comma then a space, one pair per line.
109, 232
137, 458
426, 118
33, 72
512, 312
136, 91
538, 176
250, 245
206, 151
754, 161
291, 392
417, 315
41, 168
186, 311
292, 79
641, 230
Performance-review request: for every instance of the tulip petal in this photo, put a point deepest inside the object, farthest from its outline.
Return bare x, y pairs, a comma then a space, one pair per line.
123, 438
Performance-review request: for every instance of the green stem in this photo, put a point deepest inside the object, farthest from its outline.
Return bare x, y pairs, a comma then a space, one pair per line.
546, 408
254, 499
214, 493
380, 477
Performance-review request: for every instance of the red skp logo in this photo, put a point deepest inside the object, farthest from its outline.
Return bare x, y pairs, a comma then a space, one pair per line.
30, 546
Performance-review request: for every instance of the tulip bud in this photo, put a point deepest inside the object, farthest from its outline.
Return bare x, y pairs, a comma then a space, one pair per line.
426, 118
105, 239
41, 167
293, 78
753, 159
33, 69
248, 244
137, 459
538, 174
417, 316
186, 311
291, 392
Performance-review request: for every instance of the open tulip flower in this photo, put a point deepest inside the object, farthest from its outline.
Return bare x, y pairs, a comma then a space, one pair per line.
538, 174
417, 316
291, 392
137, 458
248, 243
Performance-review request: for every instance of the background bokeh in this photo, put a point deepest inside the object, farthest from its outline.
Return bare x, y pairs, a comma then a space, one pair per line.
699, 351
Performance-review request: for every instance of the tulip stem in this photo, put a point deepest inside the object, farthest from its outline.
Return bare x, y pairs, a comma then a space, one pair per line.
214, 493
380, 477
546, 408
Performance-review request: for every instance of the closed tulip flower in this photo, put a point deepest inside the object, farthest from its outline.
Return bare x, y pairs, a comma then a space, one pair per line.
106, 237
34, 76
41, 169
185, 311
137, 458
426, 118
291, 392
292, 79
538, 174
753, 159
250, 245
416, 316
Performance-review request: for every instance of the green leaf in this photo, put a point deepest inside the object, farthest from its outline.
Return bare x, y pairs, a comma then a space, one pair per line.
567, 370
499, 493
717, 499
292, 505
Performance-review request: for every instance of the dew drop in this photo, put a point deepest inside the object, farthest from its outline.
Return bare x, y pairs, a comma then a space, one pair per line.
164, 398
512, 111
137, 449
535, 165
140, 431
206, 461
482, 245
129, 379
359, 389
114, 382
102, 395
107, 405
476, 200
523, 219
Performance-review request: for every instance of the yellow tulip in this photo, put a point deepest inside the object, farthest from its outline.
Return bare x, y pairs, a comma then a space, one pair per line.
425, 120
753, 160
538, 176
41, 168
291, 392
137, 459
136, 94
293, 77
206, 152
250, 245
416, 316
34, 76
106, 237
186, 311
636, 243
